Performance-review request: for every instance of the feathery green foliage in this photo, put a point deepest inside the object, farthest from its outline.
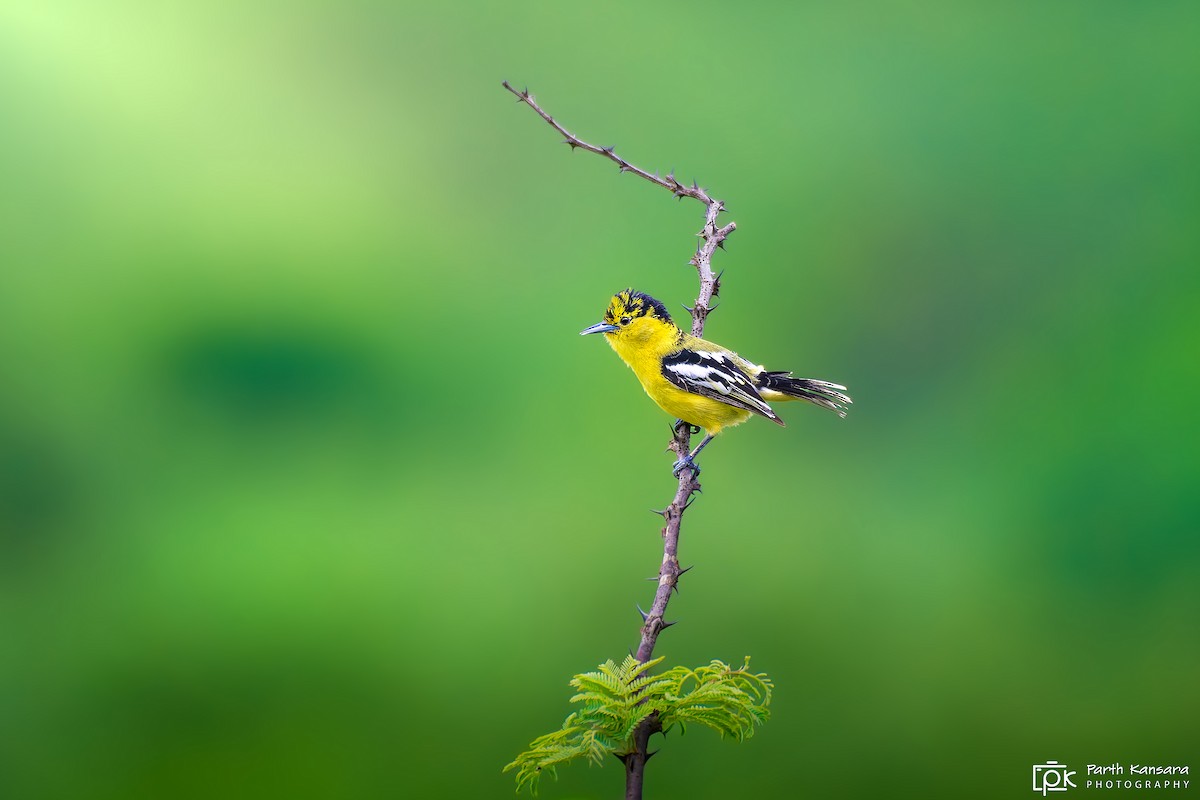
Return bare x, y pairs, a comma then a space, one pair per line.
616, 698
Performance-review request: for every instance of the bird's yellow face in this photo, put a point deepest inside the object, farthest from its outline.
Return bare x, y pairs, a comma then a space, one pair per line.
633, 317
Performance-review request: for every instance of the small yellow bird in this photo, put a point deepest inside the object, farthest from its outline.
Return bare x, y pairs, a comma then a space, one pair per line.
701, 383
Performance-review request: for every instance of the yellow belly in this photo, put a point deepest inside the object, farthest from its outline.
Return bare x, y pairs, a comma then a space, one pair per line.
711, 415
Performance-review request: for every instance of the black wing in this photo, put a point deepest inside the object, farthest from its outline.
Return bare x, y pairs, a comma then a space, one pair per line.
715, 375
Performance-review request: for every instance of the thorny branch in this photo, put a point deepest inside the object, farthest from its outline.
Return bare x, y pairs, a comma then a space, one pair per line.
669, 183
711, 237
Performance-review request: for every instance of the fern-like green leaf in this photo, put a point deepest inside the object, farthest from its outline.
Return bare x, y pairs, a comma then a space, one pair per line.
615, 699
730, 701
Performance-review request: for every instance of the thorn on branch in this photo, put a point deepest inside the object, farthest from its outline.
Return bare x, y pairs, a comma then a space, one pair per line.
666, 624
521, 96
645, 616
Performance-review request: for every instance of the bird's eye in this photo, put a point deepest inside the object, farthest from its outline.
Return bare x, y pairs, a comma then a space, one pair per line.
625, 320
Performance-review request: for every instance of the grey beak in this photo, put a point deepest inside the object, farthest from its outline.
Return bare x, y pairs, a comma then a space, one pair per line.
599, 327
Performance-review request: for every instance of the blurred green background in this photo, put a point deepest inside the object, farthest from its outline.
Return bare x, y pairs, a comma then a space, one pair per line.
309, 489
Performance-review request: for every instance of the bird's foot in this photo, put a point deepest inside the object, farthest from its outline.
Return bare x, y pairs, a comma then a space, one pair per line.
680, 427
685, 463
